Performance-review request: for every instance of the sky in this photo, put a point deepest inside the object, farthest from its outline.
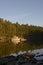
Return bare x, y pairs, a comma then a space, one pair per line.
22, 11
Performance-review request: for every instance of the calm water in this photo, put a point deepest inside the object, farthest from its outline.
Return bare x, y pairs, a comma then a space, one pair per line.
9, 48
26, 47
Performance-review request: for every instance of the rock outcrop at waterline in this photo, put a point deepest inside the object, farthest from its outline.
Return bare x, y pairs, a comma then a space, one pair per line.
20, 60
4, 39
16, 39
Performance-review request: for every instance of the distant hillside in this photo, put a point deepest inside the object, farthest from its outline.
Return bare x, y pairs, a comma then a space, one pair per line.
33, 34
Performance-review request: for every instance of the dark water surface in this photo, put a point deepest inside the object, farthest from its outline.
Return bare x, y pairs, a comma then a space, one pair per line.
26, 47
9, 48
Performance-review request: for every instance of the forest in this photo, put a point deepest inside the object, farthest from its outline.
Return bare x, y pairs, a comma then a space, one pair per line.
33, 34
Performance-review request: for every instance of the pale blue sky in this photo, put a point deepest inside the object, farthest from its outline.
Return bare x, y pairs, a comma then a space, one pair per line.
23, 11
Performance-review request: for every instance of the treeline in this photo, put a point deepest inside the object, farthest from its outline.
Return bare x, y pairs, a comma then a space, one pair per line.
33, 34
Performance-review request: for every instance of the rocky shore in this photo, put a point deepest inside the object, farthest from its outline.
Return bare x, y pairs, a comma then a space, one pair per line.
22, 59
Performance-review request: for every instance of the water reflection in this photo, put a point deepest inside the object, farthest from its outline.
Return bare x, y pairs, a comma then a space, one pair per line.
9, 47
26, 46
